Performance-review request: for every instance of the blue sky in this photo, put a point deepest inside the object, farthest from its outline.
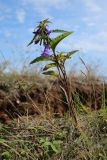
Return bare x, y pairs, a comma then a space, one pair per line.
87, 18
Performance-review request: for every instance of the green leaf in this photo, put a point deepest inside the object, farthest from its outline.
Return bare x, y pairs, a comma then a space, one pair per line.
66, 55
32, 41
44, 36
54, 148
47, 143
2, 140
71, 53
35, 39
57, 142
61, 53
58, 30
56, 40
49, 66
6, 155
42, 23
52, 73
41, 58
45, 21
42, 140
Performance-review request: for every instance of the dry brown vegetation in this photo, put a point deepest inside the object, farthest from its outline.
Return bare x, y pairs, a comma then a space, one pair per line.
34, 124
30, 94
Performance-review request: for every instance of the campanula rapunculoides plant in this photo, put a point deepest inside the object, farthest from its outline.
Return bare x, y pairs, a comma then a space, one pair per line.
56, 59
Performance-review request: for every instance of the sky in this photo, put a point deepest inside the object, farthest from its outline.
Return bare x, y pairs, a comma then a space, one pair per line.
87, 18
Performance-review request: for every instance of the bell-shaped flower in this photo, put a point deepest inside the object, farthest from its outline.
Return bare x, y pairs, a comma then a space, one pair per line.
48, 31
46, 52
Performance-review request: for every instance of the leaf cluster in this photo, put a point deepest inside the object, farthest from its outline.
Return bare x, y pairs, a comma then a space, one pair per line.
57, 60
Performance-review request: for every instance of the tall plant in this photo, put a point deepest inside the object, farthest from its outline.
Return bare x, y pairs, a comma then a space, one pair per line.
56, 59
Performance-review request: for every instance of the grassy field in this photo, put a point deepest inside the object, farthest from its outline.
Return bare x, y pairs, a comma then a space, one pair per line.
35, 124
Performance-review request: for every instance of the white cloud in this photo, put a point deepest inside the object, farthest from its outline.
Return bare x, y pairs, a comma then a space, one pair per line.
44, 4
87, 43
90, 21
95, 43
87, 46
91, 24
2, 17
92, 5
102, 35
7, 33
43, 7
31, 29
21, 14
5, 12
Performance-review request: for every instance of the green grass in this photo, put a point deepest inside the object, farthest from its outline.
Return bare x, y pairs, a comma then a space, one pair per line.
55, 138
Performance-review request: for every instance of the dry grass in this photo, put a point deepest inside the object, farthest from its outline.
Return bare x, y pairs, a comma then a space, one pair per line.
41, 128
55, 138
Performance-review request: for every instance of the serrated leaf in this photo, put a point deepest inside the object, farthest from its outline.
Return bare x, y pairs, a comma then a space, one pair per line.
52, 73
42, 23
41, 58
71, 53
58, 30
49, 66
56, 40
65, 55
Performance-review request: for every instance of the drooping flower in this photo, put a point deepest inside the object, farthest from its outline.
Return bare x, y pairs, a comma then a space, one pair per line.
48, 31
46, 51
41, 36
36, 32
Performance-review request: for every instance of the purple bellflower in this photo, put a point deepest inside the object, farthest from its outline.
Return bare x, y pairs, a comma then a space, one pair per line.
46, 52
47, 30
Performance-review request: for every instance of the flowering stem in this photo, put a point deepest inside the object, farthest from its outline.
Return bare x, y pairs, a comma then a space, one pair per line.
41, 36
58, 66
65, 87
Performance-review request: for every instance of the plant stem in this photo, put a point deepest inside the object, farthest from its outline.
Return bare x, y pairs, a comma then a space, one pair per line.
65, 87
